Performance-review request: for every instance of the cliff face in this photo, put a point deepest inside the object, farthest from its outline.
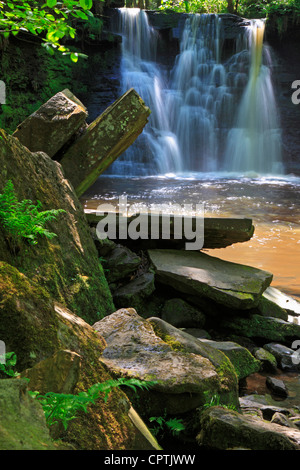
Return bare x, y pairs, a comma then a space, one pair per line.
67, 266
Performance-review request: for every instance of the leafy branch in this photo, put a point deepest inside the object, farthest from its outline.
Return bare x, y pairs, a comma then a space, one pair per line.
51, 21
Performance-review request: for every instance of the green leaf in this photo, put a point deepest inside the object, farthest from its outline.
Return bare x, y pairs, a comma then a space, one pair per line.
51, 3
74, 56
86, 4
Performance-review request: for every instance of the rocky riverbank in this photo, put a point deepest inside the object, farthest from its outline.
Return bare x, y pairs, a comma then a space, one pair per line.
78, 312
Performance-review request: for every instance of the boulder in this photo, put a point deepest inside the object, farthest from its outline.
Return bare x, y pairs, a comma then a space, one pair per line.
230, 284
58, 373
179, 313
50, 127
225, 429
135, 293
284, 355
279, 418
23, 425
183, 375
120, 263
38, 329
262, 328
104, 140
282, 300
67, 266
277, 386
268, 361
242, 360
270, 309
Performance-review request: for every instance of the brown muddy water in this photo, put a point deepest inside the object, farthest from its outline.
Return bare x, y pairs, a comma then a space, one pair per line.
273, 204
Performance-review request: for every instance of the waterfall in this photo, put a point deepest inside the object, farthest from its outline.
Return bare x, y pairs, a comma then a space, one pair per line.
207, 115
254, 143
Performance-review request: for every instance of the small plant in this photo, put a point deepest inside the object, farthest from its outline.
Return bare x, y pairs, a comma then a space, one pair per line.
7, 364
59, 407
173, 425
215, 400
24, 220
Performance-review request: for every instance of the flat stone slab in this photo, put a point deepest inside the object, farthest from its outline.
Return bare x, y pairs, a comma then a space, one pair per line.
196, 273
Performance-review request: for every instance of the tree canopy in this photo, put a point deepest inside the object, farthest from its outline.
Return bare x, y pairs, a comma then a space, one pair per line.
51, 20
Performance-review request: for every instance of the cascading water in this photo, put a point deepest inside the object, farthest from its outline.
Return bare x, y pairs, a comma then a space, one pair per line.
254, 144
206, 116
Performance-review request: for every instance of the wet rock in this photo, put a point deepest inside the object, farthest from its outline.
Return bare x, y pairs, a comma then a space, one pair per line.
261, 328
223, 429
230, 284
136, 292
120, 262
279, 418
277, 386
284, 301
257, 402
179, 313
267, 360
242, 360
50, 127
184, 374
285, 356
270, 309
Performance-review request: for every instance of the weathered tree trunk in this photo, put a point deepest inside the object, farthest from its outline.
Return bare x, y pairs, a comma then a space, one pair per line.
105, 140
230, 6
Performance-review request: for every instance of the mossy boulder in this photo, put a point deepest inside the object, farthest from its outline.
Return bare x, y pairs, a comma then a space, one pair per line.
23, 425
262, 328
225, 429
184, 375
67, 266
38, 329
242, 360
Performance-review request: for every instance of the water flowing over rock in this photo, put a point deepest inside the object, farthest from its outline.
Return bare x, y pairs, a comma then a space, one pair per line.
204, 115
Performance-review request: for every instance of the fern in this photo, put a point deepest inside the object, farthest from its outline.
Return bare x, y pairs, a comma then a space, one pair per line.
59, 407
23, 219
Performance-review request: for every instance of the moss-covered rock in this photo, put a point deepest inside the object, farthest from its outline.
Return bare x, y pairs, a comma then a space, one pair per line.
67, 266
262, 328
37, 329
182, 315
23, 425
184, 373
241, 359
225, 429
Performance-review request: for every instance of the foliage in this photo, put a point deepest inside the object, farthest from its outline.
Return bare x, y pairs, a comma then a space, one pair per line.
267, 8
195, 6
215, 400
7, 364
173, 425
53, 22
59, 407
24, 220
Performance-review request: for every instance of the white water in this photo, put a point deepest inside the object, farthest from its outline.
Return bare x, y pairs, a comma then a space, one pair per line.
206, 115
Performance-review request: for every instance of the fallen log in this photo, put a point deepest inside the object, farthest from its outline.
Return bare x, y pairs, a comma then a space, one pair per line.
104, 140
217, 232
